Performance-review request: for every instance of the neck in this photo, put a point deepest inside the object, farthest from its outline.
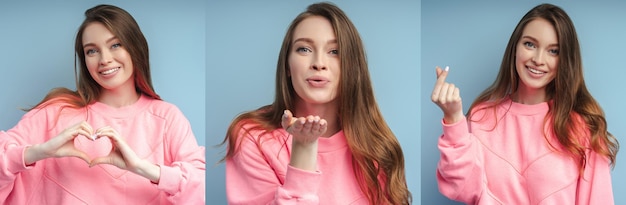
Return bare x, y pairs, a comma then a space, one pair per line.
119, 97
529, 96
328, 112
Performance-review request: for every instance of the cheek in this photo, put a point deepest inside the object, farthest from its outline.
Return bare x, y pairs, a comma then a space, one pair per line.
554, 63
92, 63
296, 65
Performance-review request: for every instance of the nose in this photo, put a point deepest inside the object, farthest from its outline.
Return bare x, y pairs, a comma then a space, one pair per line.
538, 57
319, 62
105, 57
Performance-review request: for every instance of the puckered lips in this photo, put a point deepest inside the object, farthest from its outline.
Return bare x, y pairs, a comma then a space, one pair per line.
317, 81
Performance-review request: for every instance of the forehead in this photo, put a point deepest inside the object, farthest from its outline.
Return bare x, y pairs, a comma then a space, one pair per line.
314, 27
541, 30
95, 32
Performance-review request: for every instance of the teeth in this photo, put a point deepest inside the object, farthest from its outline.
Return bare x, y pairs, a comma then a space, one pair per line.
106, 72
535, 71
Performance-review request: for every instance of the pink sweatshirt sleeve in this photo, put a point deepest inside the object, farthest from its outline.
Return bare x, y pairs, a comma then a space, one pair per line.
13, 143
460, 172
184, 178
11, 164
595, 187
257, 177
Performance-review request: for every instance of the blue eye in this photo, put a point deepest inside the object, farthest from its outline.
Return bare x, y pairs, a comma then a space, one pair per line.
117, 45
529, 44
303, 49
334, 52
554, 51
90, 51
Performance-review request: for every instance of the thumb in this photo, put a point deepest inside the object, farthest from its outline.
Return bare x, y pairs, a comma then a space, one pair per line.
81, 155
100, 160
287, 119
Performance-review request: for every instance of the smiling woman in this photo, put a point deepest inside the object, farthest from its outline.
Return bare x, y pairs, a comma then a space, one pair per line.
112, 134
536, 117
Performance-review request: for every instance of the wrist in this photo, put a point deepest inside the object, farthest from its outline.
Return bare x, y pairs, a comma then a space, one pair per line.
304, 156
149, 170
453, 118
33, 154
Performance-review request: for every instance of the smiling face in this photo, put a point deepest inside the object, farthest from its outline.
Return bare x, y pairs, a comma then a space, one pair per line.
537, 55
314, 63
108, 62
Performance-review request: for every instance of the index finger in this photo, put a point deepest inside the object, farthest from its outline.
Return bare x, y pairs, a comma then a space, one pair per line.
441, 75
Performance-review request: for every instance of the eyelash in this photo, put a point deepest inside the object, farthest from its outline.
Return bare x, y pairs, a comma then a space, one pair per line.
304, 49
532, 45
529, 44
92, 51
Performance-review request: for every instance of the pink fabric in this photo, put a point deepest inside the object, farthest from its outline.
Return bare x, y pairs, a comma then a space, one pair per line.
512, 163
155, 130
260, 173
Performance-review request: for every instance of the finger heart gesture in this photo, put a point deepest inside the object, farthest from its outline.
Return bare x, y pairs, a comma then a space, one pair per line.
448, 97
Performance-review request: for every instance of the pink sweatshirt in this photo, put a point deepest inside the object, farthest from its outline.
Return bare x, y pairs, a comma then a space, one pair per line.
260, 173
512, 163
154, 129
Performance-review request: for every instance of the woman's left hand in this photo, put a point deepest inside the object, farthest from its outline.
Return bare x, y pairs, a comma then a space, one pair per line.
123, 157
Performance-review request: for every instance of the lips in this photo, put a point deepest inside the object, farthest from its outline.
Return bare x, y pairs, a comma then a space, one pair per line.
535, 71
109, 71
317, 81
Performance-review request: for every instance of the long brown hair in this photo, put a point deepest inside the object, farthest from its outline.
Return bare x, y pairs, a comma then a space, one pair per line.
126, 29
571, 103
378, 157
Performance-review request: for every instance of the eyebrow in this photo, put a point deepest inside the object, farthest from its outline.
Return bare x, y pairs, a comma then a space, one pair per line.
308, 40
107, 41
534, 39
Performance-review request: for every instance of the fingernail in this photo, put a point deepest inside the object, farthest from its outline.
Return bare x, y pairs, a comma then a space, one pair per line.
447, 68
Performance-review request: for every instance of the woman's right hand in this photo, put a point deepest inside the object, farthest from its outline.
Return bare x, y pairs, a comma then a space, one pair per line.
306, 132
60, 146
447, 97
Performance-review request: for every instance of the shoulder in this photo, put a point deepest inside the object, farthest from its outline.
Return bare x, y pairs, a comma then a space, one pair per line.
52, 110
256, 132
163, 109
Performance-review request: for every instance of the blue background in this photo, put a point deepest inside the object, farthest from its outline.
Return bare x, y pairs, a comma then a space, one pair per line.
216, 59
244, 39
37, 53
470, 37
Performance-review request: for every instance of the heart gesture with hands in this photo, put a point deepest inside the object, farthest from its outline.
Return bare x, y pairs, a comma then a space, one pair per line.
448, 97
121, 155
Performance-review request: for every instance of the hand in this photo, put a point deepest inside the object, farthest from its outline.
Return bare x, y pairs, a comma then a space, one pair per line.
60, 146
123, 157
447, 97
305, 133
304, 130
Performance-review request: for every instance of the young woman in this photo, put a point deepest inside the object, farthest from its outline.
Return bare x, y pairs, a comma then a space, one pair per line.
323, 140
113, 140
536, 135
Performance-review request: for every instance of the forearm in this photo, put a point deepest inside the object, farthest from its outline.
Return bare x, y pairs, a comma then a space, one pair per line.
33, 154
304, 156
459, 172
149, 171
